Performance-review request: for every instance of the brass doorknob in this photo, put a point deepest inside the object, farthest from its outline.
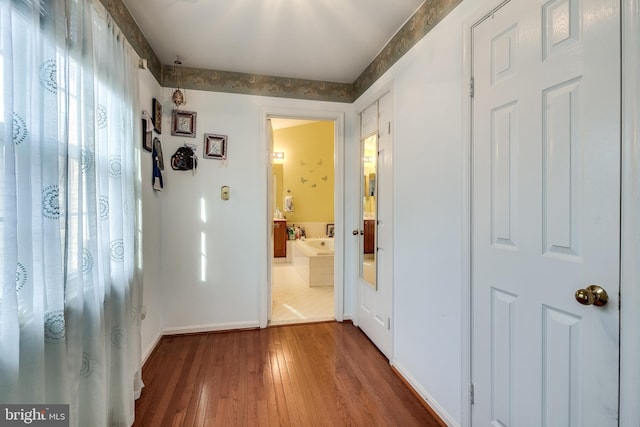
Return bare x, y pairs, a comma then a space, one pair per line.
593, 294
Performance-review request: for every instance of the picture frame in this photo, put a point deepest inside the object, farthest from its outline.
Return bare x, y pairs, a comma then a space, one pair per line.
183, 123
331, 228
147, 136
157, 145
215, 146
157, 115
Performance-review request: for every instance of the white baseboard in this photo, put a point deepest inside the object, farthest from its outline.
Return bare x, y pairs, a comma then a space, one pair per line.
427, 397
150, 348
215, 327
194, 329
211, 328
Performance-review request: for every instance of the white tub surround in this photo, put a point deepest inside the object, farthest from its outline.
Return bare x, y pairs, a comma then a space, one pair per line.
313, 260
312, 229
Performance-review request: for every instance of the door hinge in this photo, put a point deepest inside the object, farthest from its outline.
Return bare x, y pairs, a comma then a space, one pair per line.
389, 128
389, 323
471, 88
471, 392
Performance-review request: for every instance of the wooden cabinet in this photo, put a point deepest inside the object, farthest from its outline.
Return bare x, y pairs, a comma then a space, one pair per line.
279, 238
369, 236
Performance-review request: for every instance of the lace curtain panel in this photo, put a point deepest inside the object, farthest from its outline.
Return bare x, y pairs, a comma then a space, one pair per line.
70, 291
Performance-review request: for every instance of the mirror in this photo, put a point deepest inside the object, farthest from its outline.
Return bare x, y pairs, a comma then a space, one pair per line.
369, 189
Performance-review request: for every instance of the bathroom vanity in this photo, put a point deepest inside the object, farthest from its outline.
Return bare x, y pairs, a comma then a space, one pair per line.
279, 238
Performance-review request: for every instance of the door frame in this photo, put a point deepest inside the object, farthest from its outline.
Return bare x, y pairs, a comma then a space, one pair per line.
338, 196
629, 378
629, 412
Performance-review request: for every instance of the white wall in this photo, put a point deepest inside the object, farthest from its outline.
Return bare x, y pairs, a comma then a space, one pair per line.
152, 296
214, 253
429, 97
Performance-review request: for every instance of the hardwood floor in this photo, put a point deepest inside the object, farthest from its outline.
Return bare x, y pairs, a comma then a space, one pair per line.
322, 374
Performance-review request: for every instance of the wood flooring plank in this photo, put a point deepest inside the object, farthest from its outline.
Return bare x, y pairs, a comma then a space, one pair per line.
281, 410
199, 401
190, 393
324, 374
296, 394
164, 390
312, 376
185, 384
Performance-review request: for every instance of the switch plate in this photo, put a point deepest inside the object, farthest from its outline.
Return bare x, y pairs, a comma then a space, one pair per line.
224, 192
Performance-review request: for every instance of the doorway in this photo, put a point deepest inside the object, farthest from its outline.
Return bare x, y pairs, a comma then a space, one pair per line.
302, 214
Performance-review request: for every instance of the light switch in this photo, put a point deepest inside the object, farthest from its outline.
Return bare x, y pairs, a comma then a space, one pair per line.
224, 192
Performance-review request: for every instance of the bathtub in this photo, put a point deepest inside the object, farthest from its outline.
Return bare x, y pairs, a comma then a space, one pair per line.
313, 260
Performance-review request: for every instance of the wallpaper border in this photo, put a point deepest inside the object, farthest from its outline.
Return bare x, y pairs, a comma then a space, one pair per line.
254, 84
423, 20
128, 26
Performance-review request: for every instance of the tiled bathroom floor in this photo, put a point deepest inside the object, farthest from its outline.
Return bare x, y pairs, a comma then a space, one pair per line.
295, 302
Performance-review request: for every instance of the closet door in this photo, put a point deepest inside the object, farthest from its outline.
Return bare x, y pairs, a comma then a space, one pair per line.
375, 257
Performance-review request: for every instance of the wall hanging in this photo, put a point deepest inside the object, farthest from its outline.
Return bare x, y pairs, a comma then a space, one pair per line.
184, 159
331, 228
215, 146
157, 115
157, 148
183, 123
178, 97
288, 202
156, 158
146, 136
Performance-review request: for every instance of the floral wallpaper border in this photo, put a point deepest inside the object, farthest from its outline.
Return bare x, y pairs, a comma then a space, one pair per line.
426, 17
122, 17
254, 84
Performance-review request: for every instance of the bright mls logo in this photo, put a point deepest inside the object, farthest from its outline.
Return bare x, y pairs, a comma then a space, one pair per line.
36, 415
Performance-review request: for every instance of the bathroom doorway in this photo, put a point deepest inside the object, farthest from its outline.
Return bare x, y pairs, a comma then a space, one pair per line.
302, 213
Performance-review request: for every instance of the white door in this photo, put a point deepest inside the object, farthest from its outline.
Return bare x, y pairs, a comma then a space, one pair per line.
545, 213
375, 303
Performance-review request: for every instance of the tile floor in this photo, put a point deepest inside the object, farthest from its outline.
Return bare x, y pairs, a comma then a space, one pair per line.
295, 302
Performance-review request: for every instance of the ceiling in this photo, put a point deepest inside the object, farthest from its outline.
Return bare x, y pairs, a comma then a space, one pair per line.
326, 40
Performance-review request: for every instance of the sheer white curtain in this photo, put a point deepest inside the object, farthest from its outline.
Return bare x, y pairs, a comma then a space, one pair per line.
70, 292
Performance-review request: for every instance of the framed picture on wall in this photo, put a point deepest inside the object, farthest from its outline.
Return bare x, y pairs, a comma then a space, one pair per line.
331, 228
157, 115
146, 136
215, 146
183, 123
